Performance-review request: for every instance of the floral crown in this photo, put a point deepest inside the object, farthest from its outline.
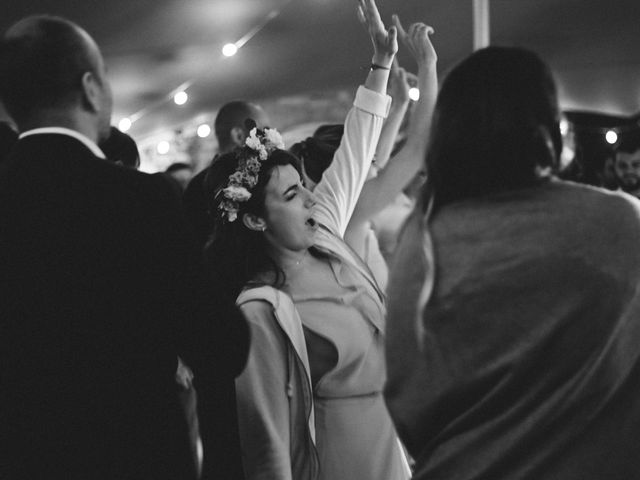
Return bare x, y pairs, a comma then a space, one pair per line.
257, 148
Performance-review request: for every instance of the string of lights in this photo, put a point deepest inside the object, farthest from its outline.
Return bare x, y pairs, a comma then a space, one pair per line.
179, 94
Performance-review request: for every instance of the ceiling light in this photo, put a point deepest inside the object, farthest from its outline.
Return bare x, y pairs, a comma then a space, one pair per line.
203, 130
180, 98
124, 124
611, 137
229, 50
163, 147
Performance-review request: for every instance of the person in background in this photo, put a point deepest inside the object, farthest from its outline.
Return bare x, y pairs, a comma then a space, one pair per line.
514, 309
180, 173
101, 286
388, 222
386, 178
626, 163
231, 132
8, 138
121, 149
309, 400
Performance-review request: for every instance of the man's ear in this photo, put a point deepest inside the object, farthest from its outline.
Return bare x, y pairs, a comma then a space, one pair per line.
254, 222
91, 92
238, 136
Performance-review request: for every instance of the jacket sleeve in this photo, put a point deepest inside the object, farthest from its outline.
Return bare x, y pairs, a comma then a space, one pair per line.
341, 183
263, 403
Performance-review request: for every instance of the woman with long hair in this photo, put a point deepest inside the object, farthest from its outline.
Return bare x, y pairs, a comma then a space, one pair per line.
310, 399
514, 310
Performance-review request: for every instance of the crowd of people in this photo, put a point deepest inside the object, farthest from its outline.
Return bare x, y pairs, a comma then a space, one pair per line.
252, 324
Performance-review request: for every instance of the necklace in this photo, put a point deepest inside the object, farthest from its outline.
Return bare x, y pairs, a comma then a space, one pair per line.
295, 264
304, 255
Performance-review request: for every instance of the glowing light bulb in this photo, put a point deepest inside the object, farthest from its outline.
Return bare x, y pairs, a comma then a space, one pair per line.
203, 130
229, 50
163, 147
180, 98
414, 94
611, 137
564, 126
124, 124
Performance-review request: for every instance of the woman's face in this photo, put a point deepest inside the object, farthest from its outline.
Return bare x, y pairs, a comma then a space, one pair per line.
288, 210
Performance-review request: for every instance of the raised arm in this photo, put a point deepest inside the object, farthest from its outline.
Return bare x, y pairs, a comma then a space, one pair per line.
399, 92
380, 191
342, 182
385, 45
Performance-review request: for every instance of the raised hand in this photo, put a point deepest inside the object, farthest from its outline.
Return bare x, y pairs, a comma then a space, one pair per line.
400, 82
385, 42
417, 41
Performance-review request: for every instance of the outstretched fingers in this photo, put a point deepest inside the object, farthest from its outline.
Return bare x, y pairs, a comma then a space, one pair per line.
371, 15
402, 33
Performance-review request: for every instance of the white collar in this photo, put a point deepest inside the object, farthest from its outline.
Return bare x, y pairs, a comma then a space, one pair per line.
71, 133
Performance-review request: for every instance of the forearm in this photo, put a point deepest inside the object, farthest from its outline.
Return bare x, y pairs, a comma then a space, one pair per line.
342, 182
421, 116
378, 78
389, 133
378, 192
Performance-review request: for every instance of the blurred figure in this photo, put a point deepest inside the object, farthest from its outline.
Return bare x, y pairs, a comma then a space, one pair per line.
514, 309
626, 163
121, 149
101, 288
230, 127
180, 173
8, 138
231, 132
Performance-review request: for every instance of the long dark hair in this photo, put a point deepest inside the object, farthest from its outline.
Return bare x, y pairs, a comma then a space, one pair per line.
495, 126
235, 255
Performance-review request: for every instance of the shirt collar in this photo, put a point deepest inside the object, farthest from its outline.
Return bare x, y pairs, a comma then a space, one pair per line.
71, 133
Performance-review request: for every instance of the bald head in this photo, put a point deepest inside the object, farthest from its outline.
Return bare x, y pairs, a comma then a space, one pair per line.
44, 61
230, 123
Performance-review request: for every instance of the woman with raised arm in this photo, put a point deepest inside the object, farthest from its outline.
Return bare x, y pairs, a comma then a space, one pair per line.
386, 178
309, 400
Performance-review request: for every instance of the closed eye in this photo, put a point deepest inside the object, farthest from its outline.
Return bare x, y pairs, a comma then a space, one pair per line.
292, 191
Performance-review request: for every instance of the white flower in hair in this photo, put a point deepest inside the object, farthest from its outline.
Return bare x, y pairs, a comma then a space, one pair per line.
252, 141
262, 153
259, 144
274, 137
236, 194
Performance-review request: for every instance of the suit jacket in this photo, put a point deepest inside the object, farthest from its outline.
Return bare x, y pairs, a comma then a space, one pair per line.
101, 291
196, 207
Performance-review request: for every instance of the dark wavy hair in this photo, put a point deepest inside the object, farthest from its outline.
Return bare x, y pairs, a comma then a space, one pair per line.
235, 255
316, 152
495, 126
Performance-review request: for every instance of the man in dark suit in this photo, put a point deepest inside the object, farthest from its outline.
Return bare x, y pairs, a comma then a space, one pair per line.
101, 287
8, 137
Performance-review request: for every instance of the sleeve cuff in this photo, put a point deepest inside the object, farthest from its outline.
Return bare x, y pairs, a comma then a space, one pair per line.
372, 102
